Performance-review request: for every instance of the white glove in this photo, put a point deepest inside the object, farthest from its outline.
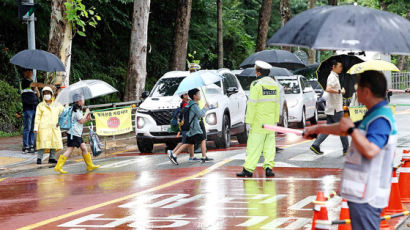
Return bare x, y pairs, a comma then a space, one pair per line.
248, 127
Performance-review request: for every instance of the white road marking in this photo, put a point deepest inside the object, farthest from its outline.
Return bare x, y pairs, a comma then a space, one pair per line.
305, 157
124, 163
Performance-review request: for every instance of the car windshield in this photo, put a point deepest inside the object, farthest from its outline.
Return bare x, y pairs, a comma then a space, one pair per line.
290, 86
166, 87
315, 85
246, 81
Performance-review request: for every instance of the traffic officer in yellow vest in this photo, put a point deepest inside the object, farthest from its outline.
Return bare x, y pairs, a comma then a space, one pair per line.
263, 108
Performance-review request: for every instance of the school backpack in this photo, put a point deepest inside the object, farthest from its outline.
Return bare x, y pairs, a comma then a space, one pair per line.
186, 123
65, 121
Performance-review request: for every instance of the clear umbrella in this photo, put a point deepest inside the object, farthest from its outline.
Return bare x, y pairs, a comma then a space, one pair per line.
88, 89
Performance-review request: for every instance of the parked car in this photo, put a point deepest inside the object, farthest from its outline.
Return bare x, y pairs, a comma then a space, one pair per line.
301, 100
247, 76
226, 119
320, 100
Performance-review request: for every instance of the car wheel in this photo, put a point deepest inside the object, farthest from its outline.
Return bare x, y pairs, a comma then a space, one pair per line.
171, 146
225, 140
314, 119
302, 123
145, 146
243, 137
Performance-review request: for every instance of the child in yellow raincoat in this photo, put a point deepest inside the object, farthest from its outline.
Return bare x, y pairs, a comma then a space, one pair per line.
46, 126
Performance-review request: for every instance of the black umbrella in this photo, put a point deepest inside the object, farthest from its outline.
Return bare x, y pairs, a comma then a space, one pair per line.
275, 71
309, 71
278, 58
347, 81
348, 27
38, 59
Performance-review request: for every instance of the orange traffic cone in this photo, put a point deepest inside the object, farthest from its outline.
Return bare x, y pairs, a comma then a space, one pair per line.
383, 224
344, 215
404, 179
320, 210
395, 205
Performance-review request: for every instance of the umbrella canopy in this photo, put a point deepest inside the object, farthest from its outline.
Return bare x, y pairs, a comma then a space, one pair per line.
38, 59
378, 65
347, 81
309, 71
346, 27
197, 80
88, 89
278, 58
275, 71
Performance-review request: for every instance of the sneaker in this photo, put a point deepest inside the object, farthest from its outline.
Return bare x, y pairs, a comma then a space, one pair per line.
172, 158
269, 173
244, 173
32, 150
38, 161
52, 161
194, 159
316, 149
24, 150
206, 159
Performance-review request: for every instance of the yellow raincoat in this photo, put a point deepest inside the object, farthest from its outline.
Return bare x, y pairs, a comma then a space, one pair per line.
46, 124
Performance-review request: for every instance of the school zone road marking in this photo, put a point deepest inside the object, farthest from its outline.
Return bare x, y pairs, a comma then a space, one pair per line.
154, 189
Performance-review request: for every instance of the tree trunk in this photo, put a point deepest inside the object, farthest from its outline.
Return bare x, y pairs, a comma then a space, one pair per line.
332, 2
137, 65
285, 15
179, 53
60, 40
264, 18
383, 5
403, 62
311, 52
220, 35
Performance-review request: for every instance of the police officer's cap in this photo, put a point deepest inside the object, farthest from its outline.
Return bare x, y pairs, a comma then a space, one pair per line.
262, 65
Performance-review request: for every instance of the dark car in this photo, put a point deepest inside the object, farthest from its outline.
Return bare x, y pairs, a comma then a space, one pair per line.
320, 102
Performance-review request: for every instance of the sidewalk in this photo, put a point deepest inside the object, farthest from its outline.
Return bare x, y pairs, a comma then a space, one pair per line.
12, 160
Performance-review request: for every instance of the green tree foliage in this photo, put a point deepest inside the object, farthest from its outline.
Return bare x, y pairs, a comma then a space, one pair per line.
10, 106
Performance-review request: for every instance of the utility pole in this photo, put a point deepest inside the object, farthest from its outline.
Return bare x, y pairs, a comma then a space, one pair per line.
31, 36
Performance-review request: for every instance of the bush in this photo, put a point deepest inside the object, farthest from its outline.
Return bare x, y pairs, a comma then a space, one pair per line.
10, 106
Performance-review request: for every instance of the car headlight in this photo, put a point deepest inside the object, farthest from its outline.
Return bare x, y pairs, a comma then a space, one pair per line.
211, 119
140, 122
293, 103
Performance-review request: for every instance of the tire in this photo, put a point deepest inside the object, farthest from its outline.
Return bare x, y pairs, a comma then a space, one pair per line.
285, 118
145, 146
171, 146
243, 137
302, 123
314, 119
225, 140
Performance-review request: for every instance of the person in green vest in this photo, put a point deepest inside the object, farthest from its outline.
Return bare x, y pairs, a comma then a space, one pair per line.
263, 108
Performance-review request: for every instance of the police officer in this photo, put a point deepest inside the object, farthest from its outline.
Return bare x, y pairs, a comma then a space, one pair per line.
366, 178
263, 108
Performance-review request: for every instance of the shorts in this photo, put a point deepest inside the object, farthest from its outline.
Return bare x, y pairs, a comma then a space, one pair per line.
184, 137
195, 139
74, 142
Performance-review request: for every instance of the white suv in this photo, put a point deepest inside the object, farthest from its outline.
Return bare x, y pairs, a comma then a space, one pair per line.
226, 118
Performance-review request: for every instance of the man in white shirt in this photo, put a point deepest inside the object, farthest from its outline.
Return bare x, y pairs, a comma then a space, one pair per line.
334, 106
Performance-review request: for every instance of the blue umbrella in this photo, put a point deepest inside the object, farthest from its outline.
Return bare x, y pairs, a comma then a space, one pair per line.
197, 80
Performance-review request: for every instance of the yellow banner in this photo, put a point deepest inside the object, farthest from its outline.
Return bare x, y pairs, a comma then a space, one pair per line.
114, 122
357, 113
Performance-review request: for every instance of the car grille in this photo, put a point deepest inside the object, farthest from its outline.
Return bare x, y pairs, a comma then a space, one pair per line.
162, 117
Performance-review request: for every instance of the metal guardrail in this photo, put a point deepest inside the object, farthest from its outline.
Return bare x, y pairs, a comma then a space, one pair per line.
400, 80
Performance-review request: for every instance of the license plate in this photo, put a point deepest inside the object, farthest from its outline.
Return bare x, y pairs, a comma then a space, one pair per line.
165, 128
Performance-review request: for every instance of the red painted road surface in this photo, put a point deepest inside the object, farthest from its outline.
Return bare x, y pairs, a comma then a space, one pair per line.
194, 198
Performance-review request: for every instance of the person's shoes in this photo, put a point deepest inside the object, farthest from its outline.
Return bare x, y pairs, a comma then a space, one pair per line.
38, 161
32, 150
24, 150
52, 161
269, 173
59, 166
172, 158
194, 159
89, 162
316, 149
206, 159
244, 173
345, 152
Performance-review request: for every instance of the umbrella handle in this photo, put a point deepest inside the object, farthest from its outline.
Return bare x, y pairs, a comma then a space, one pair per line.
206, 101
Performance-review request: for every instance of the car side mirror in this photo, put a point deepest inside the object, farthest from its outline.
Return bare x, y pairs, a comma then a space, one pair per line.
144, 95
232, 90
